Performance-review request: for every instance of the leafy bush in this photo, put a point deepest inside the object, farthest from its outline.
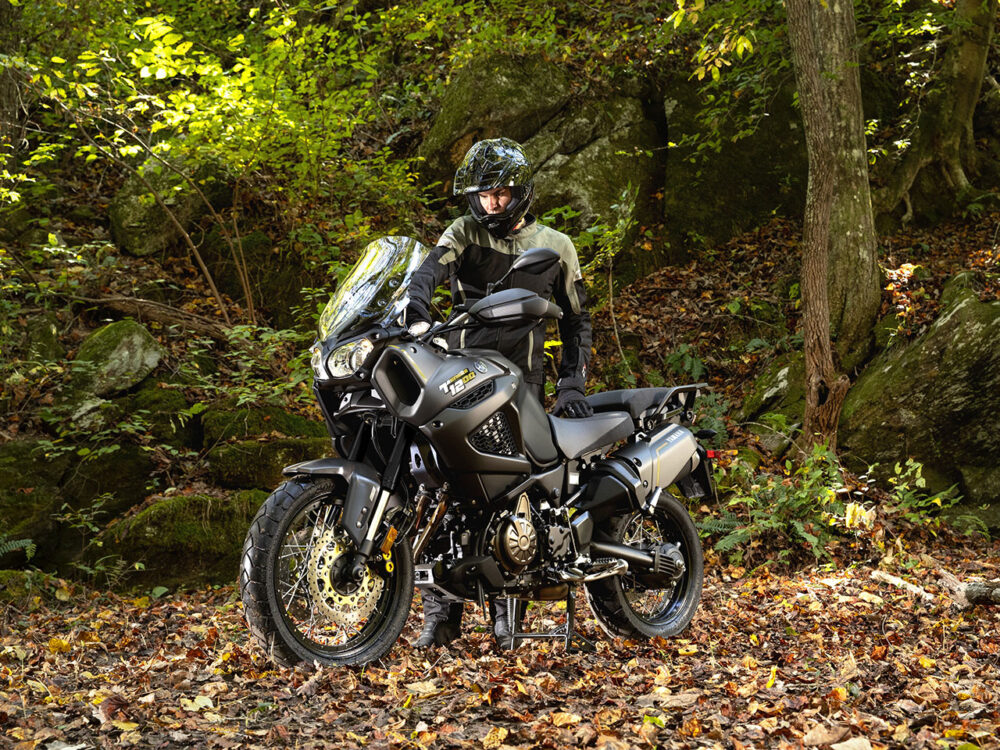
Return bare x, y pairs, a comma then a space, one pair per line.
782, 512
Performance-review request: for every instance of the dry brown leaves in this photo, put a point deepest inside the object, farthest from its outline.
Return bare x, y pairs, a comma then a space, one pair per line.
819, 658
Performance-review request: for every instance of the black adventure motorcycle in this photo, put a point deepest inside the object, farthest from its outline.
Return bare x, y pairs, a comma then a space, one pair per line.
451, 476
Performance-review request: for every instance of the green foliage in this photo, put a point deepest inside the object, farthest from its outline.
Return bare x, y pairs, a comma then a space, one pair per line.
8, 545
786, 513
711, 410
911, 498
685, 362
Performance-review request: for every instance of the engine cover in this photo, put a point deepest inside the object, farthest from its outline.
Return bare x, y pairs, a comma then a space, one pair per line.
515, 543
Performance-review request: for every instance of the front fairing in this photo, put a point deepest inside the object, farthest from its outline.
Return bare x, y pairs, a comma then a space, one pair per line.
365, 308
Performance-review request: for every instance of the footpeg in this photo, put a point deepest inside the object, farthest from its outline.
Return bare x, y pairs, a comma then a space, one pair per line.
587, 572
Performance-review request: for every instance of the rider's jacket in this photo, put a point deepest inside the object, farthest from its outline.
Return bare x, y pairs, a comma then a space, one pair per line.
472, 258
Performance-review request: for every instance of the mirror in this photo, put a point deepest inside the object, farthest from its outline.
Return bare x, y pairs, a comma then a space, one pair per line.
536, 260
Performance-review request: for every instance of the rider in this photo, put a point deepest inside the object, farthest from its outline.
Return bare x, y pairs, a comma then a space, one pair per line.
476, 250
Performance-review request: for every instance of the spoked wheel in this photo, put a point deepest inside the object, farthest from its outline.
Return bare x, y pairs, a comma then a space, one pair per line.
293, 598
630, 606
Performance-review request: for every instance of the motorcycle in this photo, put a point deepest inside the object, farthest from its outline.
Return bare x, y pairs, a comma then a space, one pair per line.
450, 476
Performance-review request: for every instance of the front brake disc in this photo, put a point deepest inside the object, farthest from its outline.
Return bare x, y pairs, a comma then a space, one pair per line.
346, 610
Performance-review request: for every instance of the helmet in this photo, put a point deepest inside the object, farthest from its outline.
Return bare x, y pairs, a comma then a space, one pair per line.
498, 162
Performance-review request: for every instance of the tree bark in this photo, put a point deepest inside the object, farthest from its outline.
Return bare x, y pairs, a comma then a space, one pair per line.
9, 95
808, 21
853, 276
943, 137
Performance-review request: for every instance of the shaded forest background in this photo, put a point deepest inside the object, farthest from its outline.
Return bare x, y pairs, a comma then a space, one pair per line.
185, 182
200, 175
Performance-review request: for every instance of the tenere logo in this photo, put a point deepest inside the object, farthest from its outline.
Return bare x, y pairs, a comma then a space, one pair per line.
456, 383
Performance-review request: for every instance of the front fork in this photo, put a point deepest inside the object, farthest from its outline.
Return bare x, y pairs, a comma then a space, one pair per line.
377, 498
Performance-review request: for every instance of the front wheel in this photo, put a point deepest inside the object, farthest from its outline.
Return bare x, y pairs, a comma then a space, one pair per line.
624, 605
293, 601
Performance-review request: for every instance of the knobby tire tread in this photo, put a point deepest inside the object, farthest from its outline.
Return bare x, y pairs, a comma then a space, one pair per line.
266, 623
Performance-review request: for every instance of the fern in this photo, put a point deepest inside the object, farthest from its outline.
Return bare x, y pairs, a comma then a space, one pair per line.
11, 545
733, 539
719, 525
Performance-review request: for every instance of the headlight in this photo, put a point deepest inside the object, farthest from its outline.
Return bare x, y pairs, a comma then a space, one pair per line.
347, 359
316, 360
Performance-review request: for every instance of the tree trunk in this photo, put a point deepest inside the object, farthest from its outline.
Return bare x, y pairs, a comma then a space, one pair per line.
10, 130
943, 137
853, 276
808, 22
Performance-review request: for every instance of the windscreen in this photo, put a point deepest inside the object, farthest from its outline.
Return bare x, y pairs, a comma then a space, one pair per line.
374, 292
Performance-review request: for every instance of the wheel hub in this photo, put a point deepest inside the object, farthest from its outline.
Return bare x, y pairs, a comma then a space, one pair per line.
345, 606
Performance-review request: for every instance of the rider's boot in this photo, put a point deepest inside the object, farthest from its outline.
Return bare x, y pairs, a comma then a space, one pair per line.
442, 621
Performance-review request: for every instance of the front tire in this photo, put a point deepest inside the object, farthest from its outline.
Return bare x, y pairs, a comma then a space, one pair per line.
626, 608
291, 604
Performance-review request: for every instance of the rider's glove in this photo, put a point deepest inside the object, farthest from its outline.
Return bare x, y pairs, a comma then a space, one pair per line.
419, 328
571, 403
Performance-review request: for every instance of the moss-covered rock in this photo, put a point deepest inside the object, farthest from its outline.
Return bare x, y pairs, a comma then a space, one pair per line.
119, 356
224, 423
122, 478
275, 281
778, 392
255, 464
184, 539
165, 409
936, 400
41, 339
588, 155
29, 489
524, 94
139, 226
20, 587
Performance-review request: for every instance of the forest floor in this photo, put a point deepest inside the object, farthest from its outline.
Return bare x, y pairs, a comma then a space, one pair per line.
815, 655
822, 656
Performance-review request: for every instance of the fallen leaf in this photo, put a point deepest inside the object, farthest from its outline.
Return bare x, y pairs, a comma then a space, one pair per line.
823, 735
855, 743
562, 719
425, 687
495, 737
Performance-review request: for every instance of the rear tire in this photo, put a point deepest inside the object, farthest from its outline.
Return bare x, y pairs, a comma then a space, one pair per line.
626, 608
290, 604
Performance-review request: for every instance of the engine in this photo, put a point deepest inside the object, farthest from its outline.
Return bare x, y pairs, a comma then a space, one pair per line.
515, 542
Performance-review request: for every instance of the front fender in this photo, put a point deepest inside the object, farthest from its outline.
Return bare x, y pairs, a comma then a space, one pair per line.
363, 484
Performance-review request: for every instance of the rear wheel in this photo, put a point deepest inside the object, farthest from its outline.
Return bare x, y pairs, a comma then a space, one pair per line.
293, 601
628, 607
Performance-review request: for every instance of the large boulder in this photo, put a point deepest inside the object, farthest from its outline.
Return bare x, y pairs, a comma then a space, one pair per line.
116, 357
140, 226
257, 464
276, 282
30, 474
184, 539
493, 96
586, 149
772, 408
936, 400
227, 422
587, 156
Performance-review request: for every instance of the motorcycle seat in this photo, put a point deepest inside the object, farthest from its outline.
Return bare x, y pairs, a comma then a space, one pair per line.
576, 437
634, 400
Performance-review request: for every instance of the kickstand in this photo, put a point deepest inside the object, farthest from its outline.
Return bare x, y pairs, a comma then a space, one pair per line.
574, 640
567, 633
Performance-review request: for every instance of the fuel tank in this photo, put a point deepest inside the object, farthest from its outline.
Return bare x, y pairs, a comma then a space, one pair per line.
472, 406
